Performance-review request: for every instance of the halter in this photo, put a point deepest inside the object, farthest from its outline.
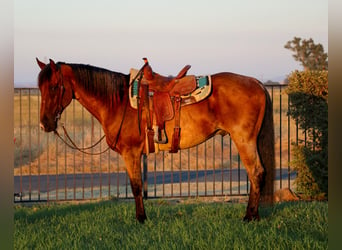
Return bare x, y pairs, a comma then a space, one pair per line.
61, 88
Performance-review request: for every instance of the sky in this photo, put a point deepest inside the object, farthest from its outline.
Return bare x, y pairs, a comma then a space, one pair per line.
245, 37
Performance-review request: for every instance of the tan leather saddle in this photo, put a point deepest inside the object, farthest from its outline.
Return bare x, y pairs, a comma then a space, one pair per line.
166, 95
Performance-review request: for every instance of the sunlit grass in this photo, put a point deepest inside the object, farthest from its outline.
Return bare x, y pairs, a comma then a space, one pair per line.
170, 225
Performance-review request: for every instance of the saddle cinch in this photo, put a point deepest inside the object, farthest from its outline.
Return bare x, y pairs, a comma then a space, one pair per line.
163, 97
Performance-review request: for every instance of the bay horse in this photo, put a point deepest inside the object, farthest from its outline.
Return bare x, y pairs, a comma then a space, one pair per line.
238, 105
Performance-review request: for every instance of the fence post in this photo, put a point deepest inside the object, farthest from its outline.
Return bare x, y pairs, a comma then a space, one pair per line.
145, 183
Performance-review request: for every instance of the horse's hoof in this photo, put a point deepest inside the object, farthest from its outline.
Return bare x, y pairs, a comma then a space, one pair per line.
249, 217
141, 219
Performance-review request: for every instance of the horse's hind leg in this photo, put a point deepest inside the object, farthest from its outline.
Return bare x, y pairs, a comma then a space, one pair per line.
250, 158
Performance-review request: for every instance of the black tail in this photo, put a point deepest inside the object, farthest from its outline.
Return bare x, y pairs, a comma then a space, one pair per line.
266, 152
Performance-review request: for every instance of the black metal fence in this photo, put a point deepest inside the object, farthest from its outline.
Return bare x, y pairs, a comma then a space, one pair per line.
45, 169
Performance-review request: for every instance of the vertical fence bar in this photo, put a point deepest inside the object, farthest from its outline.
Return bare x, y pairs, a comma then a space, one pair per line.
196, 170
313, 140
230, 167
74, 152
205, 168
214, 173
65, 160
280, 132
126, 175
100, 163
305, 134
222, 167
189, 181
83, 154
155, 174
171, 175
56, 163
30, 143
47, 166
272, 98
297, 137
118, 178
39, 147
163, 153
288, 146
239, 175
180, 172
108, 165
21, 143
92, 158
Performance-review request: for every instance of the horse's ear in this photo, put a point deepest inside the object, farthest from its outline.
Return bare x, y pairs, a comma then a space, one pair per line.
53, 65
40, 64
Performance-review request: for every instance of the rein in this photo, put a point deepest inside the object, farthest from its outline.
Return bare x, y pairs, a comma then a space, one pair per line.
73, 144
82, 150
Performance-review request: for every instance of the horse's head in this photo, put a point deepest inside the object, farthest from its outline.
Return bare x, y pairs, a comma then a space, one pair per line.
56, 93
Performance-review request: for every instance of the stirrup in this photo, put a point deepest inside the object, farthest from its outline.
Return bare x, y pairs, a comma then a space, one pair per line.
160, 136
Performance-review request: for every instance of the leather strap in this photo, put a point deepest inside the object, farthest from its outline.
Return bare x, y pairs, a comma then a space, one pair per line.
149, 130
176, 130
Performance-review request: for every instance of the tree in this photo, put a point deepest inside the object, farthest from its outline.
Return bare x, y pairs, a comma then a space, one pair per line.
309, 54
308, 96
269, 82
308, 105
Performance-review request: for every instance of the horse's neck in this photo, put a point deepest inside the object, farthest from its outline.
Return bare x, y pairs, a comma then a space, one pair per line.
88, 103
96, 106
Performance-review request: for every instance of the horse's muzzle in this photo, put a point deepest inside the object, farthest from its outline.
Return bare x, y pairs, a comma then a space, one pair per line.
48, 128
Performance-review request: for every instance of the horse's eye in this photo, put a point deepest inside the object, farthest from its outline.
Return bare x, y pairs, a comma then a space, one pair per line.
53, 87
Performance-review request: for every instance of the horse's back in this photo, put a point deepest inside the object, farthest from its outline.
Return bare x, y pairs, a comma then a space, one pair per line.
235, 106
237, 93
236, 84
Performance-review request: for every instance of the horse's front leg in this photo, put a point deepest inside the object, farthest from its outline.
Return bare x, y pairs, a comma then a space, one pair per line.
133, 165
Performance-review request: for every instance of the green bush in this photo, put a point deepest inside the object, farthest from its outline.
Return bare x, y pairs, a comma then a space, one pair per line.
308, 95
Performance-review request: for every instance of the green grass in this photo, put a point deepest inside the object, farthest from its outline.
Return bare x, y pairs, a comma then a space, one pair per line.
195, 225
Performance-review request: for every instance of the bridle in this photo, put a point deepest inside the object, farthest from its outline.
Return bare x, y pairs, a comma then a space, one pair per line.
59, 111
61, 89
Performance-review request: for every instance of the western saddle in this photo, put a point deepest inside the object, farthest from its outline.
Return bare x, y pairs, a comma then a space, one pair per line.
166, 95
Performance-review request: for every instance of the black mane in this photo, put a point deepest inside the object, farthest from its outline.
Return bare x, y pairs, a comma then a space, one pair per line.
104, 84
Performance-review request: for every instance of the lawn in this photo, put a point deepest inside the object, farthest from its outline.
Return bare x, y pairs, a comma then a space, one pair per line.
185, 224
